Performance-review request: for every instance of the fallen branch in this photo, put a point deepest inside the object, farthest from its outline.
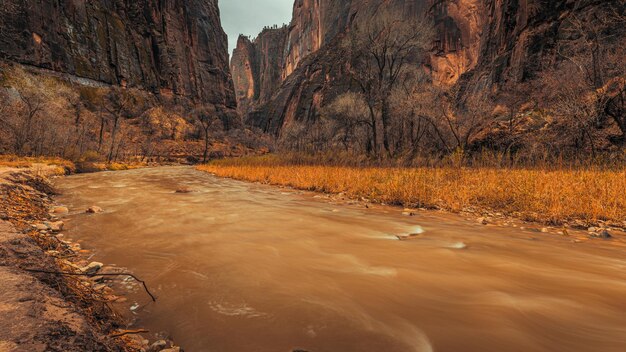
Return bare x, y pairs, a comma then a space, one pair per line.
129, 332
64, 273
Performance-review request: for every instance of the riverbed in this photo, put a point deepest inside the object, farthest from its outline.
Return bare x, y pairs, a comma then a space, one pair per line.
248, 267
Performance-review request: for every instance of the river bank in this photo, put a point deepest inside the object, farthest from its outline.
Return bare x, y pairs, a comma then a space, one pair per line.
54, 297
593, 199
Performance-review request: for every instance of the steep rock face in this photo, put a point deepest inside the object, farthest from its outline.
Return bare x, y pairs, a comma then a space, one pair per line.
313, 66
519, 39
257, 66
245, 73
479, 45
166, 47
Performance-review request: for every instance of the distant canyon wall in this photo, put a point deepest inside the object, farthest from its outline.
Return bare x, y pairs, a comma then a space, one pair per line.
287, 74
171, 47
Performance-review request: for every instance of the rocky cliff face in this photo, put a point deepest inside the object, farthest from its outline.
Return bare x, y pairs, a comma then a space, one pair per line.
167, 47
479, 44
257, 66
310, 61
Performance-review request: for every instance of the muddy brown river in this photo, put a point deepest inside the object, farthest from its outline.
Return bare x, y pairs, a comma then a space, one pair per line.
248, 267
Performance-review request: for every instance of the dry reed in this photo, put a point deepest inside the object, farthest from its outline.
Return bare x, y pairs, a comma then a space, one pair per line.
555, 196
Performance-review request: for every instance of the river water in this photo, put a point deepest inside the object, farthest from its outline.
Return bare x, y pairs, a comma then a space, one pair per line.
248, 267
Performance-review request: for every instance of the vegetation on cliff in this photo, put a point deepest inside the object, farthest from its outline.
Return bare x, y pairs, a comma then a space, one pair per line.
44, 114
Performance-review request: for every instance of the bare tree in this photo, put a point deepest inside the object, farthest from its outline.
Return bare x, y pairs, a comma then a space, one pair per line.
381, 51
117, 103
207, 116
589, 82
349, 115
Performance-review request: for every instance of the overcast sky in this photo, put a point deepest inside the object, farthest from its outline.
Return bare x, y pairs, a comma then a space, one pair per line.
250, 16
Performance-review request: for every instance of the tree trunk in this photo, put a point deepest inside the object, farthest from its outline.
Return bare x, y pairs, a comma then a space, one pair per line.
113, 134
101, 134
385, 120
374, 141
206, 146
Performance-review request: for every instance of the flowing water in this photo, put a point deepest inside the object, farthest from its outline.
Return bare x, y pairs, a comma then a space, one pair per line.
248, 267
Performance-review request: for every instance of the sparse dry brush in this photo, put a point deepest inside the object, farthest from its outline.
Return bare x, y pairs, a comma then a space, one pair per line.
47, 114
552, 196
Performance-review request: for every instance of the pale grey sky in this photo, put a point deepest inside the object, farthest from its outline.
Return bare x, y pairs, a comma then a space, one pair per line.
250, 16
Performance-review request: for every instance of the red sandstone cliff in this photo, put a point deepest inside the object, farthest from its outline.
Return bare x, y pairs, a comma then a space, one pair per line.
310, 63
479, 44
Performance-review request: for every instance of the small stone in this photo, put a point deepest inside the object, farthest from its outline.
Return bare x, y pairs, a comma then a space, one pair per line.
603, 234
41, 227
56, 226
92, 268
94, 210
482, 221
173, 349
545, 230
592, 229
158, 346
99, 287
60, 210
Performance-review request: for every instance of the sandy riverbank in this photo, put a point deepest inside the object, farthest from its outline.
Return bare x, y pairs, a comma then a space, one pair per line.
53, 297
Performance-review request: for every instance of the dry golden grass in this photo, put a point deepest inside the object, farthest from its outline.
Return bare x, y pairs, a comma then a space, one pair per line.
551, 196
13, 161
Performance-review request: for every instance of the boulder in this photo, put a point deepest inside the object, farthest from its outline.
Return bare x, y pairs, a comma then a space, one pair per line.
94, 210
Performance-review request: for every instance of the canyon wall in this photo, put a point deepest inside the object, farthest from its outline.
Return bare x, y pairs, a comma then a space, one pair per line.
171, 47
478, 45
309, 57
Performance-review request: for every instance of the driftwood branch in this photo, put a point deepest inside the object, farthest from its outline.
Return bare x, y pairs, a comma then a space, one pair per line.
129, 332
64, 273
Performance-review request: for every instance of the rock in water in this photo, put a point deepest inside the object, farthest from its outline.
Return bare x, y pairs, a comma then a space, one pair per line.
173, 349
604, 234
56, 226
158, 346
94, 210
60, 210
92, 268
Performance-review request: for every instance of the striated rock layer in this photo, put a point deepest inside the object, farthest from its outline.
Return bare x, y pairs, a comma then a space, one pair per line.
479, 44
166, 47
